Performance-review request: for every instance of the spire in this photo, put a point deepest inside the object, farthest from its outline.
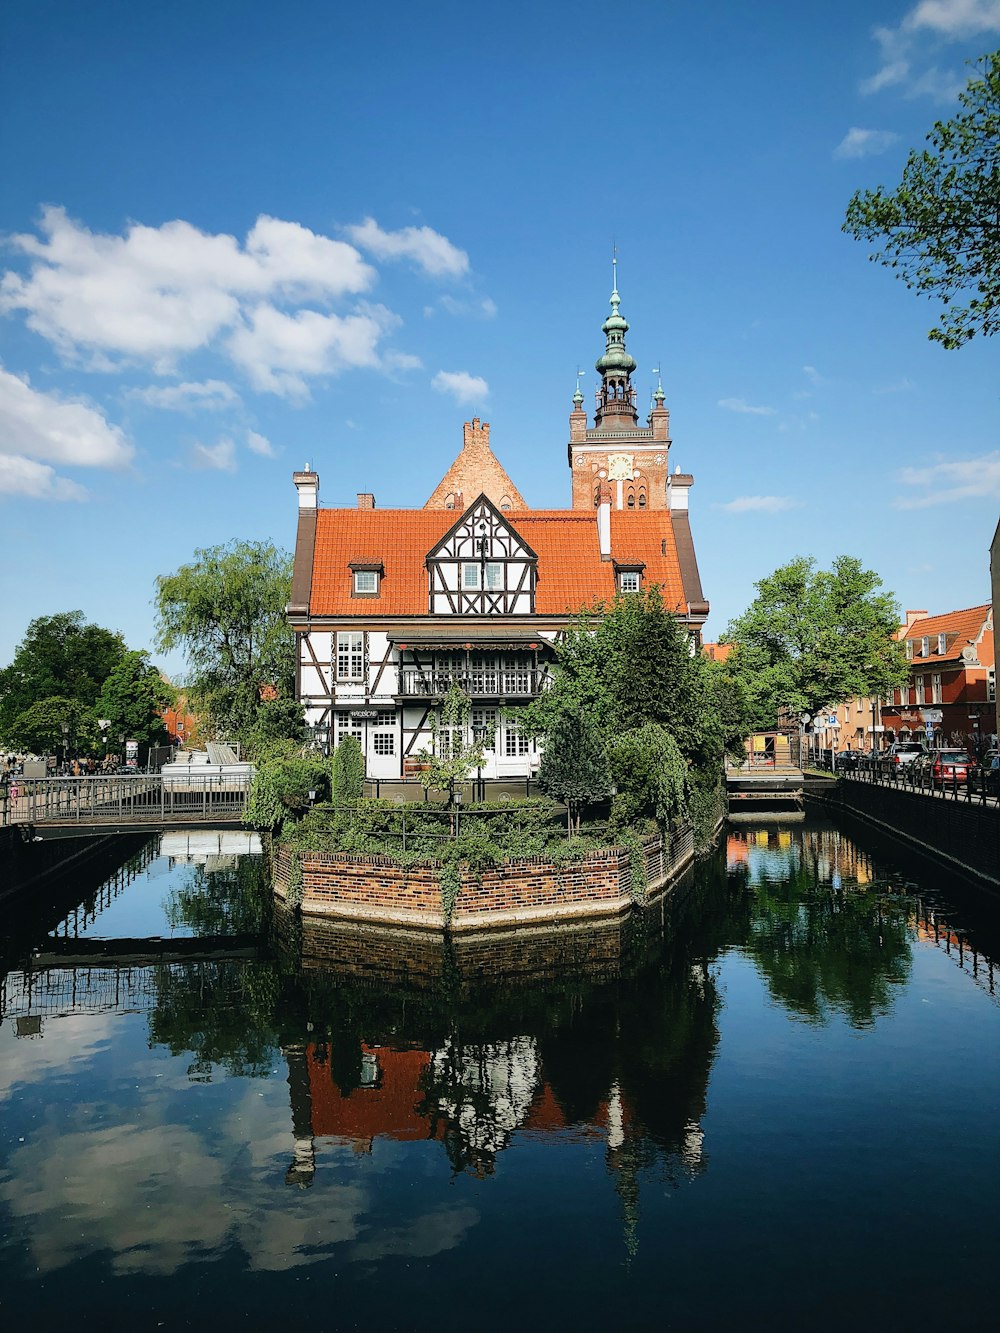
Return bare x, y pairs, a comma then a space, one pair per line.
578, 396
616, 397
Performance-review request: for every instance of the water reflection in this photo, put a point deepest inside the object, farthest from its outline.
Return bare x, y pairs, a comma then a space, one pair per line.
288, 1093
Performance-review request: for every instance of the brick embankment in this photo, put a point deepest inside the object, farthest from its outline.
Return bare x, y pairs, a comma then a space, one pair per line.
960, 834
529, 891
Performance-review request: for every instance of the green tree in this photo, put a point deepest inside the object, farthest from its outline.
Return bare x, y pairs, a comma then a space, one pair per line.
133, 699
940, 228
813, 638
226, 612
62, 657
650, 774
574, 766
39, 729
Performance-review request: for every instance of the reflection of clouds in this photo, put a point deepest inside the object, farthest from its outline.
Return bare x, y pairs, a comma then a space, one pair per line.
421, 1238
64, 1043
155, 1197
486, 1091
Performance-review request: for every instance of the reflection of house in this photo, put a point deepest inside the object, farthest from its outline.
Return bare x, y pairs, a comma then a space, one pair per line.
390, 607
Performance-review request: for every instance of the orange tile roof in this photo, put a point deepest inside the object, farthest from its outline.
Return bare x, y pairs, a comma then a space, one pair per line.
960, 627
571, 573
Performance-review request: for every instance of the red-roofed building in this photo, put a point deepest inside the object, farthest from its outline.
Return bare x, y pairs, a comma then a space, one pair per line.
390, 606
952, 678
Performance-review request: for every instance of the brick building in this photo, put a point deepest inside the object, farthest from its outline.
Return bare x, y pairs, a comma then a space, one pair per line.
391, 606
952, 673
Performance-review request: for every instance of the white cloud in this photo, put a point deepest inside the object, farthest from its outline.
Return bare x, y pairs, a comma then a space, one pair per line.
37, 425
951, 480
278, 350
35, 481
902, 385
158, 293
864, 143
761, 504
955, 18
260, 444
740, 405
927, 26
475, 307
209, 395
462, 386
427, 248
219, 457
401, 361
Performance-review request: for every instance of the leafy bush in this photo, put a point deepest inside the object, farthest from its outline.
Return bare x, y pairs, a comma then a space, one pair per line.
281, 787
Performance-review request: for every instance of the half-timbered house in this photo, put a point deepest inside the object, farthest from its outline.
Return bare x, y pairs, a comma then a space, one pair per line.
391, 606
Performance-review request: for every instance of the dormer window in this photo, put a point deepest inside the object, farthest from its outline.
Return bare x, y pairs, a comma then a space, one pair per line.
942, 644
909, 650
925, 646
628, 576
366, 578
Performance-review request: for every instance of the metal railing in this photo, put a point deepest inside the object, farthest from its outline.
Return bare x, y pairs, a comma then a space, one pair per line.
143, 799
980, 785
489, 683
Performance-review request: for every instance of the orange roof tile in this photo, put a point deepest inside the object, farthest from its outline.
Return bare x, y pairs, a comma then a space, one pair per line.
960, 627
571, 573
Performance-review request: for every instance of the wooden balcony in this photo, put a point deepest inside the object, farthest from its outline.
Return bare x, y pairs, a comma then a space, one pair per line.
490, 683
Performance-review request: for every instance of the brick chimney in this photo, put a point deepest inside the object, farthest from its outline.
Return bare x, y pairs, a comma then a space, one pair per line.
366, 500
476, 434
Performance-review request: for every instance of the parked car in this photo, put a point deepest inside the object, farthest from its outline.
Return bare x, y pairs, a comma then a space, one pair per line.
991, 769
904, 752
951, 766
848, 761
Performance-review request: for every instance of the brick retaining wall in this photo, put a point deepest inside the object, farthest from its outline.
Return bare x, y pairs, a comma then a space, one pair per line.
527, 891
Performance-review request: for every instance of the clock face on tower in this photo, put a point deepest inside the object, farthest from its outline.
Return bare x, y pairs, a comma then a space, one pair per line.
620, 467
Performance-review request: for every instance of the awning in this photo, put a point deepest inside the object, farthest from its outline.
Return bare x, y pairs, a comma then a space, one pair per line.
476, 641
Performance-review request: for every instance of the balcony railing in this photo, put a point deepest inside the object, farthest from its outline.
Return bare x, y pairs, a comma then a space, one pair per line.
490, 683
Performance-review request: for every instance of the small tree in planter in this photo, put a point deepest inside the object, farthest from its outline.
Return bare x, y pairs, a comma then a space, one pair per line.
574, 767
453, 758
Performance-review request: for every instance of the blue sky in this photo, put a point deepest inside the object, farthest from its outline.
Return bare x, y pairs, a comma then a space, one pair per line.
239, 237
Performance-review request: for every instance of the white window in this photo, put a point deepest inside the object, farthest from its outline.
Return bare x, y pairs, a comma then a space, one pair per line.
450, 742
350, 657
366, 582
385, 717
991, 685
942, 644
936, 688
515, 743
861, 707
628, 580
484, 726
349, 725
925, 646
920, 690
384, 742
488, 576
909, 650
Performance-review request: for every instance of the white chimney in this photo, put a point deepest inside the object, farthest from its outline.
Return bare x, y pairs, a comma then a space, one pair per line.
307, 485
604, 519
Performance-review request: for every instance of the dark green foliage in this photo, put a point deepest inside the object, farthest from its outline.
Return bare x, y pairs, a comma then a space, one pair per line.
59, 657
574, 765
38, 730
348, 780
281, 788
813, 638
627, 669
133, 699
226, 611
279, 726
939, 230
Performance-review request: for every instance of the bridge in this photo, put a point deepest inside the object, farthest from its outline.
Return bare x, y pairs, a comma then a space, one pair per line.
144, 802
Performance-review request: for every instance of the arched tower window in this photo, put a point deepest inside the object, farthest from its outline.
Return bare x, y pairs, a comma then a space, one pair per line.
505, 502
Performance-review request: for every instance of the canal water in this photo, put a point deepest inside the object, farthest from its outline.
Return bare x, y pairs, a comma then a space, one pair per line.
770, 1102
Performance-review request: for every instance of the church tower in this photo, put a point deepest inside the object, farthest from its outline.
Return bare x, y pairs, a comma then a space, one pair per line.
616, 449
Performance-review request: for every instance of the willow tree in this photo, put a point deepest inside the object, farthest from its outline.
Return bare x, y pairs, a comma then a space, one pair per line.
226, 613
